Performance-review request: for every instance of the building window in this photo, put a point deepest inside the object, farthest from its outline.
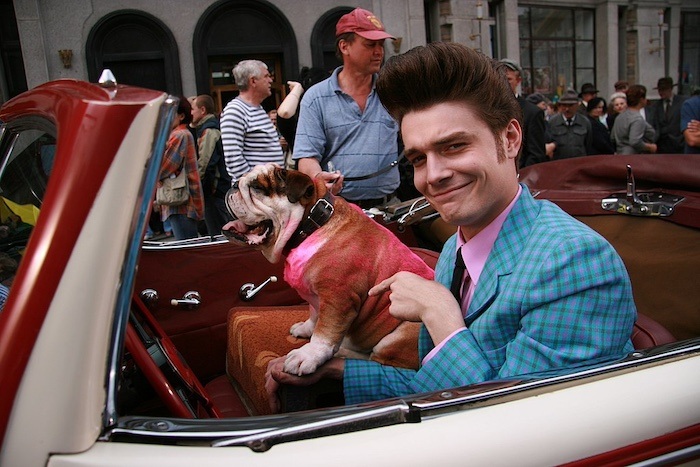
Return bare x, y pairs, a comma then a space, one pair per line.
557, 49
138, 48
690, 53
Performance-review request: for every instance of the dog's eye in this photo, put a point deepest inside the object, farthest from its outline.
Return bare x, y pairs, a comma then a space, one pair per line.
256, 185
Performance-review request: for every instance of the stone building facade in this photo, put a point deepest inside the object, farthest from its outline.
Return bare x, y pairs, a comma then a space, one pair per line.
188, 48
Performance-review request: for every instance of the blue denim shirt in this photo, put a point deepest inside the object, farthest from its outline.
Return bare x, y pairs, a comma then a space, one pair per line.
332, 128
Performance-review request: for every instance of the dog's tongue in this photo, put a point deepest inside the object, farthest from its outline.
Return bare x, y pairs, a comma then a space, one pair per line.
254, 234
237, 225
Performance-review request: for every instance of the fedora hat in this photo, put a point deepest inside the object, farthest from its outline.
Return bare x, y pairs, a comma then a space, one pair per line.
587, 88
569, 97
665, 83
512, 65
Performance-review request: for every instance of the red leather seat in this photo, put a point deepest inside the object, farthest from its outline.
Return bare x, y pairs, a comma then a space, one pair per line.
649, 333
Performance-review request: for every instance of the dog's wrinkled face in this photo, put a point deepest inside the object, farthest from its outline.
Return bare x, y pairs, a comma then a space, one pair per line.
267, 205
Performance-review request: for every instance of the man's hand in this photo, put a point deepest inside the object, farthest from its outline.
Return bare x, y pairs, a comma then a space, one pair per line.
275, 375
333, 181
414, 298
333, 178
692, 133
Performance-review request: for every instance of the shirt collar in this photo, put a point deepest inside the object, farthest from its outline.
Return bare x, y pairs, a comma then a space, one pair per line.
476, 251
335, 84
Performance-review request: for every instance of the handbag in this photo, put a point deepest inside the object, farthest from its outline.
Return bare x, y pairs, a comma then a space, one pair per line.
174, 191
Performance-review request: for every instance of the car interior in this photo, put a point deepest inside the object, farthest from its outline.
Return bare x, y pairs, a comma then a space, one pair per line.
206, 317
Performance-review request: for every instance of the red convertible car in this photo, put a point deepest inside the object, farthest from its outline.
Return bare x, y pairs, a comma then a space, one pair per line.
115, 351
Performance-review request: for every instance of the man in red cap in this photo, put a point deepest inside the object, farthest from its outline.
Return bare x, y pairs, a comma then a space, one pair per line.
344, 134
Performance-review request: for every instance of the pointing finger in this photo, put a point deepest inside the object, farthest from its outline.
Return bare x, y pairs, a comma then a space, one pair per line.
382, 287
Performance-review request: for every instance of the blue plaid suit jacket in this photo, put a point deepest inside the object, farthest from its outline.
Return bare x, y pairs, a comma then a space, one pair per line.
553, 294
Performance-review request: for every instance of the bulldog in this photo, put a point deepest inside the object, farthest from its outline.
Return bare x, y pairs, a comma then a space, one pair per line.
334, 253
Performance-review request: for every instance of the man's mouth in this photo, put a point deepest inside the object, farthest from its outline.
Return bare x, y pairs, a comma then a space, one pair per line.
255, 234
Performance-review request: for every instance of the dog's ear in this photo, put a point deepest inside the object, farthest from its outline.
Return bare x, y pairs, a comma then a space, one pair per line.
300, 187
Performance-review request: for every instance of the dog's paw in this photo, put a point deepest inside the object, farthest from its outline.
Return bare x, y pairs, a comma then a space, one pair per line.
305, 360
302, 329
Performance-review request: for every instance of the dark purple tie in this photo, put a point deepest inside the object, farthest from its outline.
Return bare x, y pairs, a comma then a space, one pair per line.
458, 276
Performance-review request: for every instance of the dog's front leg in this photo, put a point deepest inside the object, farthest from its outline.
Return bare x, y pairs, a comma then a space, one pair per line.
331, 325
306, 359
304, 329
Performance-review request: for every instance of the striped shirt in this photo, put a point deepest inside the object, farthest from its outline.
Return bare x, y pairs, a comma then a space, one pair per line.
249, 138
4, 292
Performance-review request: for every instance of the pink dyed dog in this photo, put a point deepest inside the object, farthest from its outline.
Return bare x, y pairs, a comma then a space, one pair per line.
334, 254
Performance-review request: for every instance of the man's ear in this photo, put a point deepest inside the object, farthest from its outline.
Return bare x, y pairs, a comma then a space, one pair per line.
513, 139
300, 187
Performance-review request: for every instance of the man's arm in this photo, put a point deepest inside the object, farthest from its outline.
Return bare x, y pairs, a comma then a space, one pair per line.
577, 307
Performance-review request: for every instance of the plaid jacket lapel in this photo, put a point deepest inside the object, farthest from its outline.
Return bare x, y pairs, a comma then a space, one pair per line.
500, 262
505, 253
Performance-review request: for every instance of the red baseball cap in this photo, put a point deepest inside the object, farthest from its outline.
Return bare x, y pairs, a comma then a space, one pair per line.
363, 23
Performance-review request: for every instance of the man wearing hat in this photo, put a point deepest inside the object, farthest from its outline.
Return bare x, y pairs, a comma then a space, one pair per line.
344, 134
588, 92
533, 119
571, 132
665, 117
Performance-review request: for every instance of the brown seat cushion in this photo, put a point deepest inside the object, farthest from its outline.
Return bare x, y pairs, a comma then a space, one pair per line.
257, 335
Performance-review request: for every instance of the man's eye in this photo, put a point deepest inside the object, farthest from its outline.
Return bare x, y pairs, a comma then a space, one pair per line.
454, 147
417, 160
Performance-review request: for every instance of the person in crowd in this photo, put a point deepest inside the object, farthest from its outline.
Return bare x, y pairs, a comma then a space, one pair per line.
8, 267
666, 118
533, 119
535, 289
547, 107
210, 163
621, 86
600, 135
631, 133
618, 104
344, 134
571, 131
588, 92
180, 155
248, 135
288, 111
690, 124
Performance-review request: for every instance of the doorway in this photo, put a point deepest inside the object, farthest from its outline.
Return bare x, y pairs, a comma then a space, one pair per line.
229, 32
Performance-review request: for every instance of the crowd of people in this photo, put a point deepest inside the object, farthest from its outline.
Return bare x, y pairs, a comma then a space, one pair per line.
326, 120
584, 123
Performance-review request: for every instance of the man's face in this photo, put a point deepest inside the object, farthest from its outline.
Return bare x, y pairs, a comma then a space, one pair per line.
197, 113
514, 79
568, 110
588, 96
457, 165
666, 93
262, 83
363, 55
